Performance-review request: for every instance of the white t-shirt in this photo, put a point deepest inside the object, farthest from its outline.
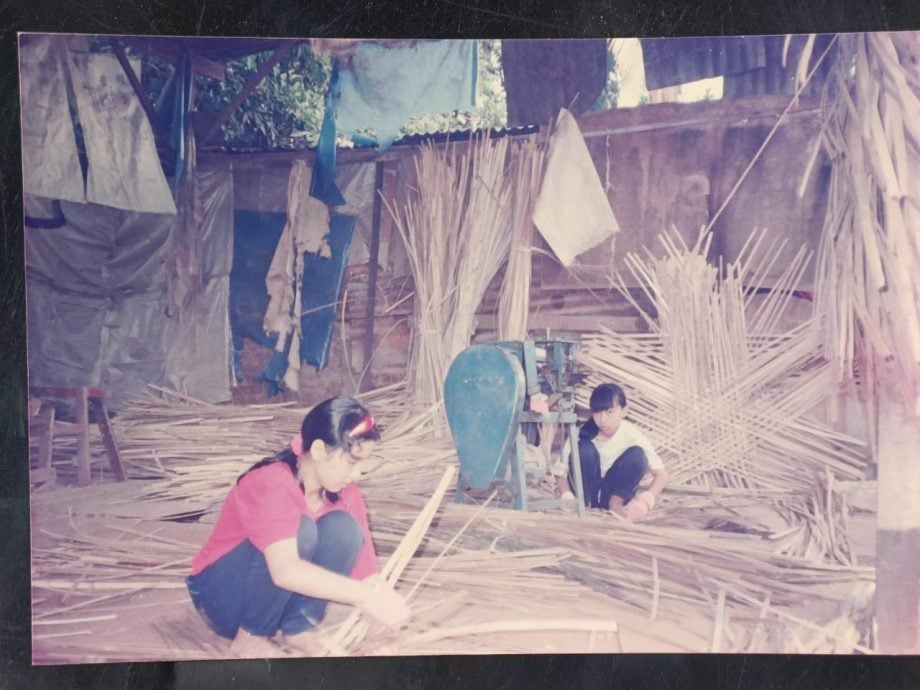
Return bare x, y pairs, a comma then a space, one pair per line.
626, 435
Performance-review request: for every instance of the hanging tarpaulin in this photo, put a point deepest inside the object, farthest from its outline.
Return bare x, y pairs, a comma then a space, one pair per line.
542, 76
98, 299
304, 233
383, 87
198, 357
124, 167
323, 186
572, 211
50, 164
255, 240
322, 285
358, 183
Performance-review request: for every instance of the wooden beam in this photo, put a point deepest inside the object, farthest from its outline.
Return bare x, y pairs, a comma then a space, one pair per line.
578, 323
142, 96
208, 68
44, 425
250, 85
173, 53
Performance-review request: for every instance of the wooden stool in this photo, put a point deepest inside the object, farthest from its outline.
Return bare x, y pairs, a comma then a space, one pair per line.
88, 406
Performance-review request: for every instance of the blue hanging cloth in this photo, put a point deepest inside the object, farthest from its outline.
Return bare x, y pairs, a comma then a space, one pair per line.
384, 86
322, 285
255, 237
323, 186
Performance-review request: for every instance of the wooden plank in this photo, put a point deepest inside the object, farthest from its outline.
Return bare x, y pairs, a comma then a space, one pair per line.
567, 322
43, 475
62, 392
208, 68
897, 548
173, 52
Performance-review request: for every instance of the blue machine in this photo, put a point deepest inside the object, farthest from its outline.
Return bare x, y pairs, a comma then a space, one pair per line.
486, 391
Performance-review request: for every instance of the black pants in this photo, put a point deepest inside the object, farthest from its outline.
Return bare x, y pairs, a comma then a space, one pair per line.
237, 590
622, 479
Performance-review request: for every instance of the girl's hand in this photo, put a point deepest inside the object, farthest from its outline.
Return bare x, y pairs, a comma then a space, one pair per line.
385, 605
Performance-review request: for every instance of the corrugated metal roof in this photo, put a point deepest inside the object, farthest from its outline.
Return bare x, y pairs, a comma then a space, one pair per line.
673, 61
465, 135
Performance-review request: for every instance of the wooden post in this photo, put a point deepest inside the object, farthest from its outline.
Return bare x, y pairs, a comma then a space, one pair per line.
81, 412
897, 551
372, 280
44, 428
119, 50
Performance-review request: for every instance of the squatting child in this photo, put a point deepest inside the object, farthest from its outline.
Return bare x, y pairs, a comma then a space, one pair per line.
615, 457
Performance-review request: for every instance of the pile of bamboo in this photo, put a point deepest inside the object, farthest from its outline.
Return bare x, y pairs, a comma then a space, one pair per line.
726, 387
868, 282
510, 568
476, 572
723, 389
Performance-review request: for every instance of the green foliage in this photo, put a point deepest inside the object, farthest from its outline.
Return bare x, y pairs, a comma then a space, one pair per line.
610, 95
284, 112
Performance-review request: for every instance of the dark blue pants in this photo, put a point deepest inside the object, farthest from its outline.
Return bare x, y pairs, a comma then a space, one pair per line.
237, 591
622, 479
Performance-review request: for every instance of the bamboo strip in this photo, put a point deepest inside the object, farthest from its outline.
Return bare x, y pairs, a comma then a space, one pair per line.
525, 625
346, 634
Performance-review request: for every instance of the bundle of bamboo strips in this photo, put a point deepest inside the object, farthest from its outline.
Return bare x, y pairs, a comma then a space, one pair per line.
868, 287
456, 231
514, 300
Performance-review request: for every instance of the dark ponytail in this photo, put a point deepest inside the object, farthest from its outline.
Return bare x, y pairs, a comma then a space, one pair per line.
330, 422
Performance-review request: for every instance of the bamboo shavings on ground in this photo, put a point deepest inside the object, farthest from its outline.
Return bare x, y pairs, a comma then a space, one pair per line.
508, 566
868, 282
160, 429
638, 565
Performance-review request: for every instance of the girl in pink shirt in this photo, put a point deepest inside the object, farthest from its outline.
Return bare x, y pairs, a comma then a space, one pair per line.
292, 536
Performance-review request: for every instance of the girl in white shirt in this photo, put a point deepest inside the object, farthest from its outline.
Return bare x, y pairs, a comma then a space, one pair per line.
615, 456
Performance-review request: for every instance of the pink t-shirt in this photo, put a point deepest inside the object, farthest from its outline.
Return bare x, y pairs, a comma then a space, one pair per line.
266, 506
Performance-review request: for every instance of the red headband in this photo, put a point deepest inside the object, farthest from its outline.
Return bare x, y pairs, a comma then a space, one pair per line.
363, 427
